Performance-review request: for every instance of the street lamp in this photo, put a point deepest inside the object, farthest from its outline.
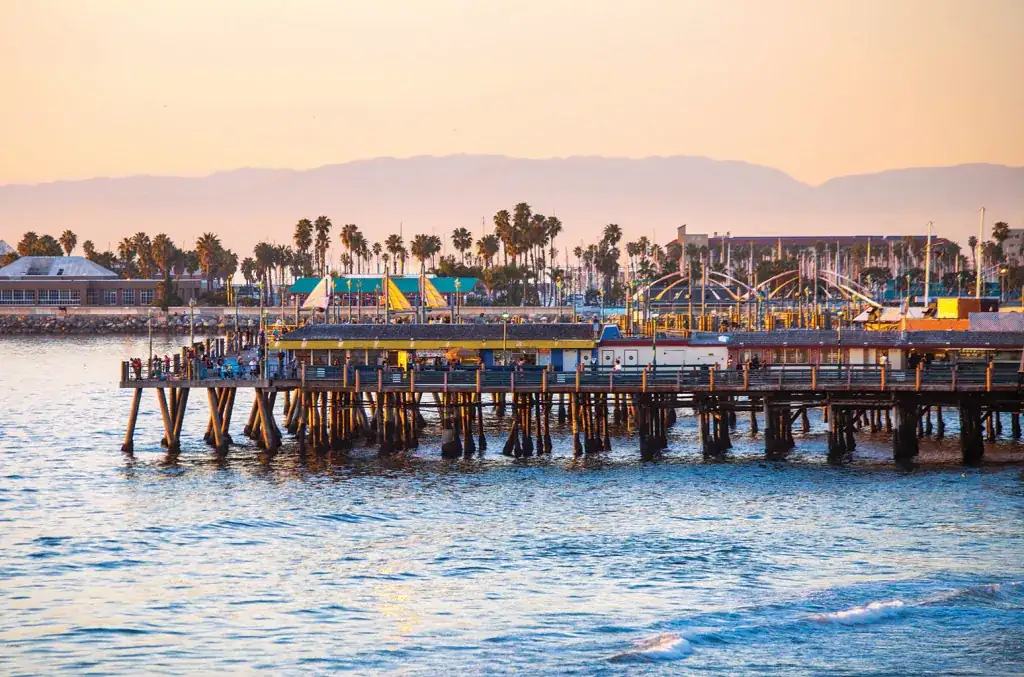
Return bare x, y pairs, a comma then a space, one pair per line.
359, 300
504, 337
191, 322
458, 284
348, 283
654, 339
149, 314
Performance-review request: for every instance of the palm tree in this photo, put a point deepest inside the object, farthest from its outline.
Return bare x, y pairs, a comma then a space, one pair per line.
163, 251
68, 240
248, 270
377, 249
396, 248
521, 215
126, 256
89, 249
356, 250
462, 240
322, 228
347, 235
421, 250
434, 246
487, 248
504, 232
208, 249
972, 244
612, 234
554, 226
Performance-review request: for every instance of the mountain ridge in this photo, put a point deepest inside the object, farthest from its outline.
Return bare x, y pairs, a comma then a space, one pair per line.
647, 196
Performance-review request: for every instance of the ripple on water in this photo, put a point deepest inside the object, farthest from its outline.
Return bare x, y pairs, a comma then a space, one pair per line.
414, 565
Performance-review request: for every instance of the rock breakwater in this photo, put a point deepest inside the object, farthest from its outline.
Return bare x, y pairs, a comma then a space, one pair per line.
120, 324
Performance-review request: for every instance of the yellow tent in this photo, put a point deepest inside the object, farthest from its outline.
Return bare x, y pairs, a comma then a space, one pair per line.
432, 296
396, 299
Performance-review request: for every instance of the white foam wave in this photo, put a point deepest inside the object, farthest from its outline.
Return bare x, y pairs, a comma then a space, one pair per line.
861, 615
668, 646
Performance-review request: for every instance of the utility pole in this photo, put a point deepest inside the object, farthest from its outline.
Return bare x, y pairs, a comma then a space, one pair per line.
927, 264
977, 255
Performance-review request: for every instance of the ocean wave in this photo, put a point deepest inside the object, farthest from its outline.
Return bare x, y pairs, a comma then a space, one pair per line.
983, 593
668, 646
862, 615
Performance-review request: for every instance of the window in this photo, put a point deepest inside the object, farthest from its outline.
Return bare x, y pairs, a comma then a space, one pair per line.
110, 297
92, 297
17, 297
60, 297
146, 297
128, 297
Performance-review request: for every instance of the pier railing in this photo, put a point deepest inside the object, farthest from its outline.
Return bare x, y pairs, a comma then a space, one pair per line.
790, 377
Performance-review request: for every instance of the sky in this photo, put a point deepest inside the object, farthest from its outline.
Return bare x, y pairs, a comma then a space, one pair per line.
817, 88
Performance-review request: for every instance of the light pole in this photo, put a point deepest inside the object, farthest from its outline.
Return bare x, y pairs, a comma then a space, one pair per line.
348, 283
191, 323
458, 284
149, 314
504, 338
654, 339
359, 300
259, 286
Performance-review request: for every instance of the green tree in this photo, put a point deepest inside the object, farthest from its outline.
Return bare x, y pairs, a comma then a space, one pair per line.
68, 240
462, 240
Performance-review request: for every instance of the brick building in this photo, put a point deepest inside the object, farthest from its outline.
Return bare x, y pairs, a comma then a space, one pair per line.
76, 281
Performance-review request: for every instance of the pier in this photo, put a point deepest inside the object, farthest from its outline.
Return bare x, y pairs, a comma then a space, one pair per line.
333, 408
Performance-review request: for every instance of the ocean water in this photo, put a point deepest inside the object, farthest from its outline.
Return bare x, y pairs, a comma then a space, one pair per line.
413, 565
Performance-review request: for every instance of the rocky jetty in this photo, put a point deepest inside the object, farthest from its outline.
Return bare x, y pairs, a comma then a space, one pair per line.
120, 324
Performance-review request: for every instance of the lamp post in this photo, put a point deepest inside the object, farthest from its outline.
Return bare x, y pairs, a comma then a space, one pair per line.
149, 314
654, 339
259, 286
191, 322
359, 300
348, 284
458, 285
504, 338
1002, 282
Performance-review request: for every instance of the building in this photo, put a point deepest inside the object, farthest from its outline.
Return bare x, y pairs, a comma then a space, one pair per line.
5, 248
685, 239
1013, 247
76, 281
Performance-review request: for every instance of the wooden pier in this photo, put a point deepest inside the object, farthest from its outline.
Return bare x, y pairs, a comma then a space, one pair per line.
333, 408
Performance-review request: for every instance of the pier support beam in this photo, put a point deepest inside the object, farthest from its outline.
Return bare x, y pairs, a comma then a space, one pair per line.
133, 415
972, 445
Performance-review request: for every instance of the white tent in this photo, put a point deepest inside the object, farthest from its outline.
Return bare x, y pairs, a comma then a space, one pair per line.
320, 297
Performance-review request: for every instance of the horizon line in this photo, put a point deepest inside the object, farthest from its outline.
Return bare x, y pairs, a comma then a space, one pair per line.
314, 168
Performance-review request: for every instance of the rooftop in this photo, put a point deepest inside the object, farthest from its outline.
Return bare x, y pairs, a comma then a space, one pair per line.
443, 332
857, 338
55, 266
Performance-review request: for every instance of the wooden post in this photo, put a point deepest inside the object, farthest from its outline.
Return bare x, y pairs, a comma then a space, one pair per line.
133, 414
478, 379
917, 378
988, 377
746, 376
814, 377
412, 380
543, 381
643, 381
882, 377
213, 398
165, 415
711, 376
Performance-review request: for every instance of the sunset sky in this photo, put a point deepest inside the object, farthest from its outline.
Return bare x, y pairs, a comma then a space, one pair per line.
817, 88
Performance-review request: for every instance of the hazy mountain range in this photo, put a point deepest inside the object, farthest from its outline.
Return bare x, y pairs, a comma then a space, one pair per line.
645, 196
